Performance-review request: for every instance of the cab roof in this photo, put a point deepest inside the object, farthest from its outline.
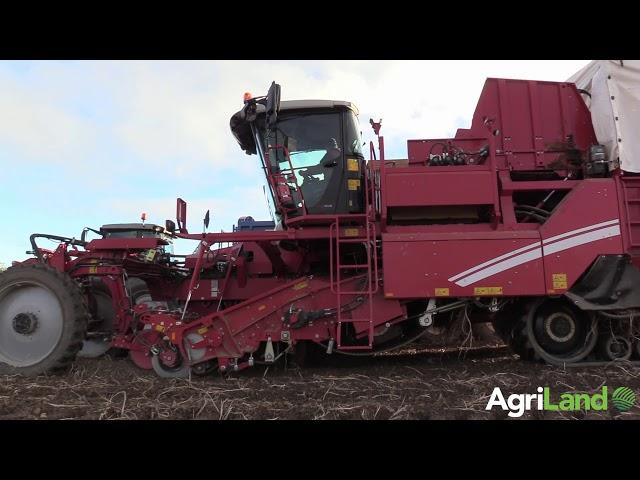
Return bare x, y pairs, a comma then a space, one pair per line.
242, 131
313, 104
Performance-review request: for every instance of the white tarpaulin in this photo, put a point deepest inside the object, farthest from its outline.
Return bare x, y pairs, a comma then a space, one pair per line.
614, 86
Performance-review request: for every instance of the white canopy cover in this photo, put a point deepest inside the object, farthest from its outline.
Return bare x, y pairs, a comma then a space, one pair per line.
614, 86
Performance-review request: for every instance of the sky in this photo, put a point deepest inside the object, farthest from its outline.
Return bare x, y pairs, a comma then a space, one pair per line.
86, 143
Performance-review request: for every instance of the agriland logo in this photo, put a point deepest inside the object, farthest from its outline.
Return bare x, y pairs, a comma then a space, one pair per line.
517, 404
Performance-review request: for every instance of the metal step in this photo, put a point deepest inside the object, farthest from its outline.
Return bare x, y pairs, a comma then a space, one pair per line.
365, 292
337, 267
356, 347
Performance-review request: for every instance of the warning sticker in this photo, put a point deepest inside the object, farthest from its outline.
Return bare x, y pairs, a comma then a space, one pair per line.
442, 292
559, 281
353, 184
352, 164
300, 286
487, 291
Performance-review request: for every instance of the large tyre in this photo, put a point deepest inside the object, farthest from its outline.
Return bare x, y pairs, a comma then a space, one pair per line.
43, 320
559, 333
509, 324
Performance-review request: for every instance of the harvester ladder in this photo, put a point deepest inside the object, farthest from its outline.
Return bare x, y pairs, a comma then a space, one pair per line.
363, 233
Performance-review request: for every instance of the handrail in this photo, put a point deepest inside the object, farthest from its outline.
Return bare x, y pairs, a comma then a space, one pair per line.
285, 150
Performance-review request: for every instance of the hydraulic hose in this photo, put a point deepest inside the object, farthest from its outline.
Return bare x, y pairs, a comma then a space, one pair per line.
445, 308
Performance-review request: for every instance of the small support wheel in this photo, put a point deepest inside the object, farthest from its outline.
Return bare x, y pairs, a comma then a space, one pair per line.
177, 370
616, 347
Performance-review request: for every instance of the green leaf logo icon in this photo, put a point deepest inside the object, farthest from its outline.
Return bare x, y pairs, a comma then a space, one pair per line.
623, 398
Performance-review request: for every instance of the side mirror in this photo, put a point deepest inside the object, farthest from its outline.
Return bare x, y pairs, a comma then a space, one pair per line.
170, 226
181, 215
273, 104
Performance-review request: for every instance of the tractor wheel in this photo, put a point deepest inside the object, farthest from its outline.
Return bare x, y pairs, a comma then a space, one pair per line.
103, 317
43, 320
138, 290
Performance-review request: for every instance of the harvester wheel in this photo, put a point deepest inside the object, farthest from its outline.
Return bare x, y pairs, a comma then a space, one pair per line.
559, 333
509, 324
166, 372
43, 320
178, 370
615, 347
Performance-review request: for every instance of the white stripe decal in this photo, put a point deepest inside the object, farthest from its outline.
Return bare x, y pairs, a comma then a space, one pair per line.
493, 260
580, 230
582, 239
522, 255
501, 267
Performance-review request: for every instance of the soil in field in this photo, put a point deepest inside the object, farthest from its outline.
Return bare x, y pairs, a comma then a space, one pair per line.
411, 385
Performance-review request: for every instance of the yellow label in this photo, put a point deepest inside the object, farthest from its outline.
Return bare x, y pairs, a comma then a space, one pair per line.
442, 292
487, 291
559, 281
202, 330
353, 184
352, 164
93, 269
150, 255
261, 307
389, 294
300, 286
159, 328
351, 232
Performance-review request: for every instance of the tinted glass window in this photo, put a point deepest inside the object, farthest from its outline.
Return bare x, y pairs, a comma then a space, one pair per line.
353, 139
315, 145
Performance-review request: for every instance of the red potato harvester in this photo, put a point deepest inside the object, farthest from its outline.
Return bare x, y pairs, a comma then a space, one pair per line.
527, 221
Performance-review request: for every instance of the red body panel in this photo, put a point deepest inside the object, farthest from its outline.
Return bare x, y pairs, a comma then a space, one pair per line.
588, 221
410, 187
421, 268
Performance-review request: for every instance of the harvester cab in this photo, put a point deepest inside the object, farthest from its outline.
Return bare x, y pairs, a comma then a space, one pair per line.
310, 151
